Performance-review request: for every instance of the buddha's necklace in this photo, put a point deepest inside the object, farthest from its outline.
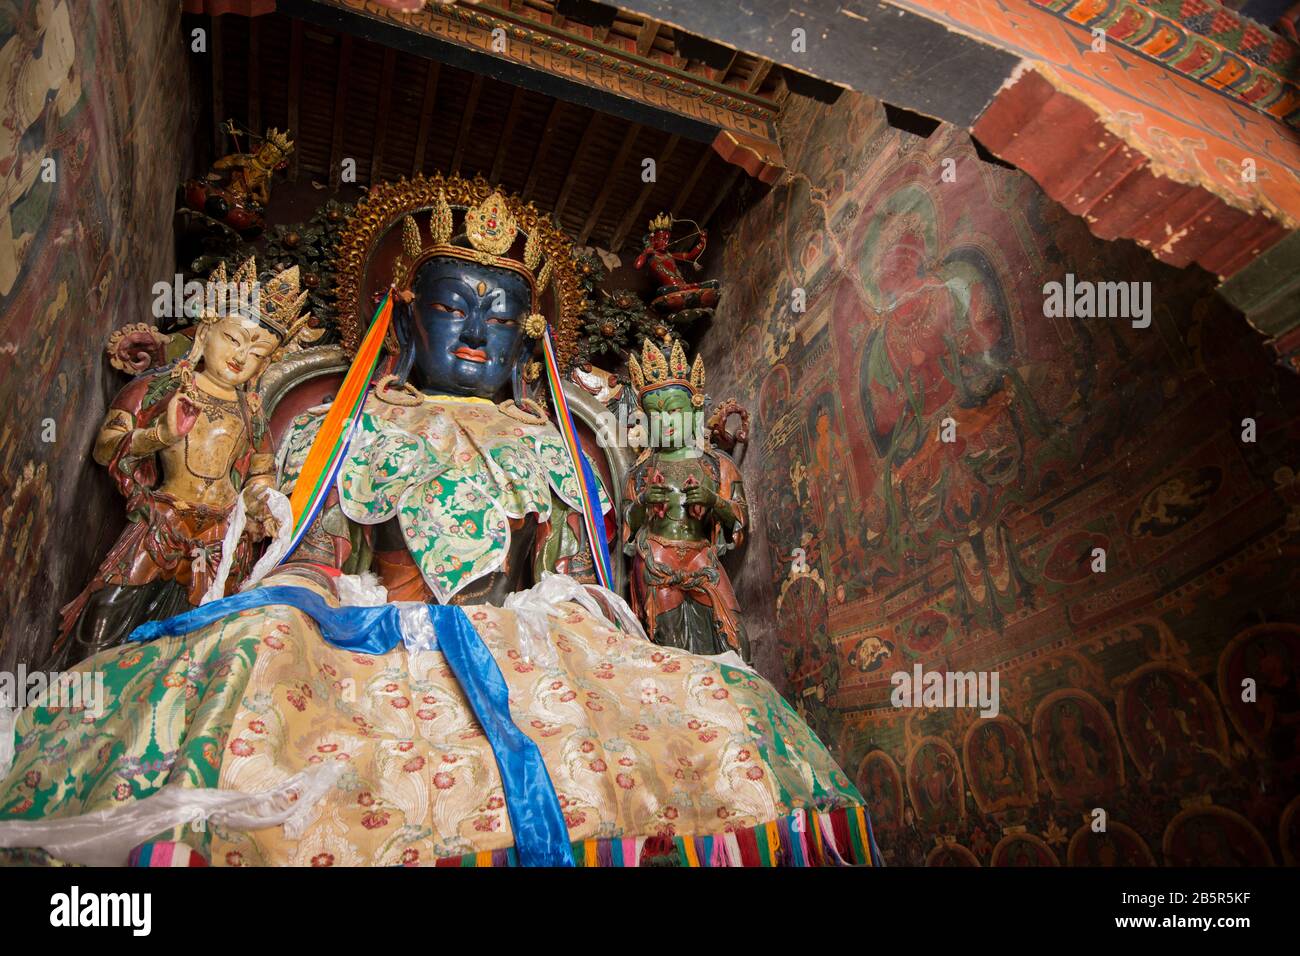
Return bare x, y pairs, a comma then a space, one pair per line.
211, 404
677, 470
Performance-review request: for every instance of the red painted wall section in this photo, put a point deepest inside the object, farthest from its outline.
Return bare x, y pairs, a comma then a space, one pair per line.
891, 287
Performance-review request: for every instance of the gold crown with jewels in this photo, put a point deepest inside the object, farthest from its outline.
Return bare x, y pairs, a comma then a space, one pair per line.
490, 229
490, 226
273, 303
656, 370
279, 140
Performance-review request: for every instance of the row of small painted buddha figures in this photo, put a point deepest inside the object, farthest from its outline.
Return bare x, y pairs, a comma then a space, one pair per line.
185, 441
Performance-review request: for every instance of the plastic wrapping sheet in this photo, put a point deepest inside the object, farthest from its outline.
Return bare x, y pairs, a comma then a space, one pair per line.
107, 837
278, 505
535, 607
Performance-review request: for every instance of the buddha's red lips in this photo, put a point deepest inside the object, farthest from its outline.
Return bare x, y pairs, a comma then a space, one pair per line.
470, 355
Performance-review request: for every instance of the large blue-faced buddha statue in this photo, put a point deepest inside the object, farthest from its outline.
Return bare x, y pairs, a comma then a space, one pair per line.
456, 488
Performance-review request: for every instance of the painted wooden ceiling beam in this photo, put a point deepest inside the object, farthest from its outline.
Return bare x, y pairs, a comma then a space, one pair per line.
340, 110
255, 76
507, 132
566, 190
606, 78
218, 91
295, 90
543, 148
634, 211
688, 187
619, 164
466, 121
381, 113
427, 106
645, 38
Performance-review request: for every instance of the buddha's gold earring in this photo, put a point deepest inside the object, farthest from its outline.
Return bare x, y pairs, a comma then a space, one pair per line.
535, 326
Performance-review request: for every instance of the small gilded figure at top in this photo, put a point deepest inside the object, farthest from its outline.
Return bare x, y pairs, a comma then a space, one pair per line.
237, 190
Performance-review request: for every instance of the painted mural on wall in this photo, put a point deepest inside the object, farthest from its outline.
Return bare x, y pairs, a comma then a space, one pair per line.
88, 165
877, 546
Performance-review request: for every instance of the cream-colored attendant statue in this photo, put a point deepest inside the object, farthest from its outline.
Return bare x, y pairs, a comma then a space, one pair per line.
183, 444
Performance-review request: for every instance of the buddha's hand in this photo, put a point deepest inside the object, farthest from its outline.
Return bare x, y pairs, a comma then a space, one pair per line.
657, 494
262, 523
179, 419
700, 496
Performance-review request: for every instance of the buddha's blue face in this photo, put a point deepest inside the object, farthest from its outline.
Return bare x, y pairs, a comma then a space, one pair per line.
467, 328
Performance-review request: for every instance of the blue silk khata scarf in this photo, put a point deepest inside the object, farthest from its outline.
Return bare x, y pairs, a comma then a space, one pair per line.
541, 837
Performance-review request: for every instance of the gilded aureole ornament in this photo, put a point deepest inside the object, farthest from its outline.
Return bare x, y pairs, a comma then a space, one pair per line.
182, 444
685, 507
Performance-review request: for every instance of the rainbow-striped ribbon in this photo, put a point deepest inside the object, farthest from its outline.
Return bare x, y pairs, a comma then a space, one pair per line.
331, 443
588, 490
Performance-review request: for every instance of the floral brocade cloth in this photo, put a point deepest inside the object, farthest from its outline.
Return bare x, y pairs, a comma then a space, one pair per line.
639, 740
453, 470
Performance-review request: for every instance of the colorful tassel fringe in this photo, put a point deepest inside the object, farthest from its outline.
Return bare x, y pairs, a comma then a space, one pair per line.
166, 853
842, 837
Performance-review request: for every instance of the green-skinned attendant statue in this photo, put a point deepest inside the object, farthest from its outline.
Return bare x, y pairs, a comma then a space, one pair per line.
685, 506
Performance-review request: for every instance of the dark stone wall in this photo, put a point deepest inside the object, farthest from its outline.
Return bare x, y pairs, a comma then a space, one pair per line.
878, 547
102, 90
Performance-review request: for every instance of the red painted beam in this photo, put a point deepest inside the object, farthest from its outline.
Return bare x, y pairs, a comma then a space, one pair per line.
1062, 143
